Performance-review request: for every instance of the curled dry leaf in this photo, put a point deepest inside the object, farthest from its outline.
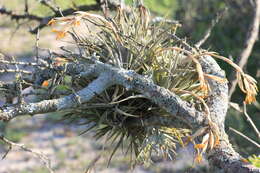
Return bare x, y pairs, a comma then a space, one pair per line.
246, 83
251, 89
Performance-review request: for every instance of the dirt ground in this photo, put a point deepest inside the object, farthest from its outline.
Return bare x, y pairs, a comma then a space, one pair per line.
69, 152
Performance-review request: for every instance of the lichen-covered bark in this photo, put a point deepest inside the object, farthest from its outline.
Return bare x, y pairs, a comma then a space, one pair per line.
225, 159
67, 102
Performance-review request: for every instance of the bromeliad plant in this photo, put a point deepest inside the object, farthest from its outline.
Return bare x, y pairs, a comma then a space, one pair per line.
129, 40
135, 84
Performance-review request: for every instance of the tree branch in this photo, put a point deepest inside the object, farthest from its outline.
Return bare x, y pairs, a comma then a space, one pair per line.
159, 95
132, 81
19, 16
223, 157
44, 20
245, 137
70, 101
43, 158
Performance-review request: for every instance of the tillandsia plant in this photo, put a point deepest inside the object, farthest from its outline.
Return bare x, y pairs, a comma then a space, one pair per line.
137, 85
131, 41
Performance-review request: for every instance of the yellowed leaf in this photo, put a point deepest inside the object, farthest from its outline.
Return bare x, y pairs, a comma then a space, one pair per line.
217, 142
199, 146
244, 160
51, 22
198, 158
60, 34
45, 83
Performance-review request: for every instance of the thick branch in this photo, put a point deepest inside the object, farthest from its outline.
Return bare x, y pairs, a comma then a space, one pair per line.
224, 156
70, 101
230, 161
159, 95
129, 79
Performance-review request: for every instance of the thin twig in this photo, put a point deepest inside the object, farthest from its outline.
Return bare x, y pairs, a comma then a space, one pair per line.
212, 25
161, 19
244, 136
18, 63
181, 41
28, 64
26, 6
251, 122
50, 6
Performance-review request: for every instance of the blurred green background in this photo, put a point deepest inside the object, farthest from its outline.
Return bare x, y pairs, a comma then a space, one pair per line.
227, 38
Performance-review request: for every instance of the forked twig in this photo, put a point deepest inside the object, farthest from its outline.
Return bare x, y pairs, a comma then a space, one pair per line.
42, 157
212, 25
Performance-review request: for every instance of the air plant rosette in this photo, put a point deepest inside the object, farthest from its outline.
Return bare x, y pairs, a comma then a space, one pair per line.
126, 118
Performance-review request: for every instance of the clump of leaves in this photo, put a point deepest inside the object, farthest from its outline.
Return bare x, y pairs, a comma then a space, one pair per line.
255, 160
131, 41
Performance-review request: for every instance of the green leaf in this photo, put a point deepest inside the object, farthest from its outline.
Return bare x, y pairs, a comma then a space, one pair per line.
255, 160
63, 88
